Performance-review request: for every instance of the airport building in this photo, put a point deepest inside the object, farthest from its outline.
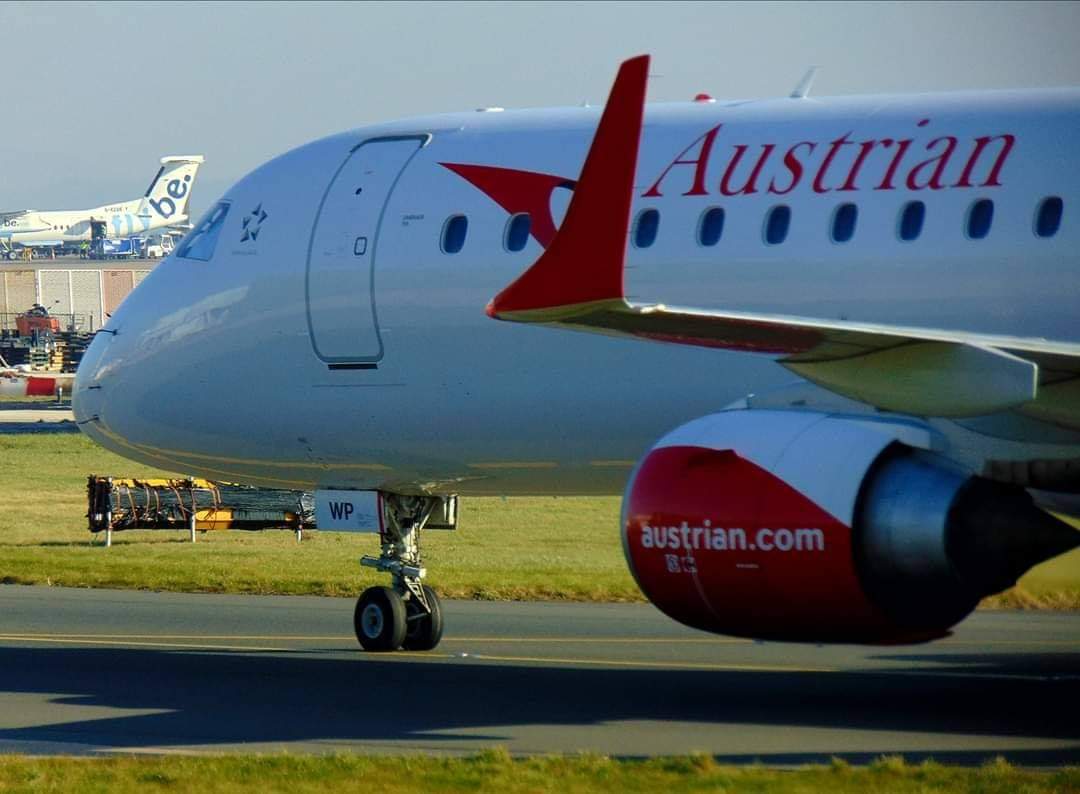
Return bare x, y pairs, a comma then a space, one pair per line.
80, 294
50, 311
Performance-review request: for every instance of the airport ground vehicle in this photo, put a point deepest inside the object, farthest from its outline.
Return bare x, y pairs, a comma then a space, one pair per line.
36, 318
161, 245
18, 252
831, 353
124, 248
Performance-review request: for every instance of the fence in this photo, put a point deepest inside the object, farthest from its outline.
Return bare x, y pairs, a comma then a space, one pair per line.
85, 296
72, 323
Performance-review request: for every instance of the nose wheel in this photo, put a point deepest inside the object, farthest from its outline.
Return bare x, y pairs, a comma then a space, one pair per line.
379, 619
408, 614
385, 621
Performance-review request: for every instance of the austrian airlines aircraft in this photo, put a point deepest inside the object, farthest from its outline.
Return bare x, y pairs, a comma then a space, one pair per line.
164, 204
831, 348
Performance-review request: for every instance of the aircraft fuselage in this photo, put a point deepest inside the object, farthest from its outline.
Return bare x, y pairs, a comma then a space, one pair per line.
334, 337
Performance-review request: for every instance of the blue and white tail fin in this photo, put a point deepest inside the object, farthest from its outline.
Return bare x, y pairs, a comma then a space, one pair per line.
166, 200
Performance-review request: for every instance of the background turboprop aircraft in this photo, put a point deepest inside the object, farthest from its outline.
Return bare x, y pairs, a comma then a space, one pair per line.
910, 262
165, 203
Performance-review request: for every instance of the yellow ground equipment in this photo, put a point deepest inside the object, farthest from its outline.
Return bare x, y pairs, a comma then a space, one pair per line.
192, 505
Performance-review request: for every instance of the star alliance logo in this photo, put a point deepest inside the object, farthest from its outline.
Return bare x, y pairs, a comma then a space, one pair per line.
253, 224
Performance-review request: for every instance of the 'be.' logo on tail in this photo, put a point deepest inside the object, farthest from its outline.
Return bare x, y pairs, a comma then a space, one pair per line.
169, 192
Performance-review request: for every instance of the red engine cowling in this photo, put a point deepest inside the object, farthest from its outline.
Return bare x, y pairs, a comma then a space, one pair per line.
804, 526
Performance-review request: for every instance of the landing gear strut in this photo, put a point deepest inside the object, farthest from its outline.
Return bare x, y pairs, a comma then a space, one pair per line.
408, 614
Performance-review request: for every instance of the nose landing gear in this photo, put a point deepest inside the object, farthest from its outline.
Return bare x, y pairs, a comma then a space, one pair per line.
407, 614
424, 622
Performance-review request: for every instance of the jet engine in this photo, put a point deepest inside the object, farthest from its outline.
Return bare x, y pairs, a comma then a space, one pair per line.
803, 526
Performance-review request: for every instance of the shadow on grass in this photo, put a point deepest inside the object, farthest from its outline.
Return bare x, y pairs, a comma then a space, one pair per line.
97, 542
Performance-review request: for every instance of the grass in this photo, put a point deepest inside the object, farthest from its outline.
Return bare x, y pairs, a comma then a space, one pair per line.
518, 548
33, 401
495, 771
504, 549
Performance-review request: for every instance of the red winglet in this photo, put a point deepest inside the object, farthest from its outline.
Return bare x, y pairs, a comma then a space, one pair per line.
584, 263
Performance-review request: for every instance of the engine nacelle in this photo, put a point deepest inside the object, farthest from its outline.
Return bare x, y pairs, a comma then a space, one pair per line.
805, 526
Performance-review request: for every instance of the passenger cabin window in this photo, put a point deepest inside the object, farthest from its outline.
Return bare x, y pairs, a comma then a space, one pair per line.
843, 223
1048, 216
202, 240
776, 224
453, 234
979, 218
645, 228
911, 220
517, 232
711, 226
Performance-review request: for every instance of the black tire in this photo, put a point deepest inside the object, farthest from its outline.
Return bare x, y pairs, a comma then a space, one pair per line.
423, 630
379, 619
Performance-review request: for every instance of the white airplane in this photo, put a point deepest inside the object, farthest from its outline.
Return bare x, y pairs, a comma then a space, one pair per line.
16, 382
164, 204
832, 356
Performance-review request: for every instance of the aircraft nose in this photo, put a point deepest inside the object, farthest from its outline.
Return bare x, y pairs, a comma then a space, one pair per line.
158, 379
126, 384
98, 378
85, 395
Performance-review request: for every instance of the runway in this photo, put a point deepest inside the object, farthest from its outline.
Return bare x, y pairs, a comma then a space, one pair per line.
97, 671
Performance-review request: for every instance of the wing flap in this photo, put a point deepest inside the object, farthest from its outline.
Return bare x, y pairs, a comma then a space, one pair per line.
920, 371
929, 378
798, 339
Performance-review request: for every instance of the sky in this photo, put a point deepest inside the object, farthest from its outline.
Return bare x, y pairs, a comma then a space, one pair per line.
96, 93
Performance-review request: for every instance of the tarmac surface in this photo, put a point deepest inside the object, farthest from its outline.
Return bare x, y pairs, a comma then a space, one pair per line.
36, 417
98, 671
75, 262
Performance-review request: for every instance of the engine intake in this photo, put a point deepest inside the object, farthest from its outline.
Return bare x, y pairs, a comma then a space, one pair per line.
802, 526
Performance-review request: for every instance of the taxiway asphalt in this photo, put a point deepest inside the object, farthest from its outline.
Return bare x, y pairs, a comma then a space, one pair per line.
98, 671
39, 417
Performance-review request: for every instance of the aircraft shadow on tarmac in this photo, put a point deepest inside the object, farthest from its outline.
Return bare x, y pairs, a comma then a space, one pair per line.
229, 698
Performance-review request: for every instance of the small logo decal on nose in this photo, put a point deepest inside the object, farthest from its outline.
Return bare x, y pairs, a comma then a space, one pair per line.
253, 224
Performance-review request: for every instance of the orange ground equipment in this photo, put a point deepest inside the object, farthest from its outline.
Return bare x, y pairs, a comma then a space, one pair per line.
36, 319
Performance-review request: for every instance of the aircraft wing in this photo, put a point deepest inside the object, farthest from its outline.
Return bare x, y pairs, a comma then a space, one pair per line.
577, 283
8, 214
913, 370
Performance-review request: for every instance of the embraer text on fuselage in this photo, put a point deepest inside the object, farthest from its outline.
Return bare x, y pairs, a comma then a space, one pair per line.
844, 164
709, 538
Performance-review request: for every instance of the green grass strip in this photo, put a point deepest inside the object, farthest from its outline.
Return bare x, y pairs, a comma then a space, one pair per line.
518, 548
496, 771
